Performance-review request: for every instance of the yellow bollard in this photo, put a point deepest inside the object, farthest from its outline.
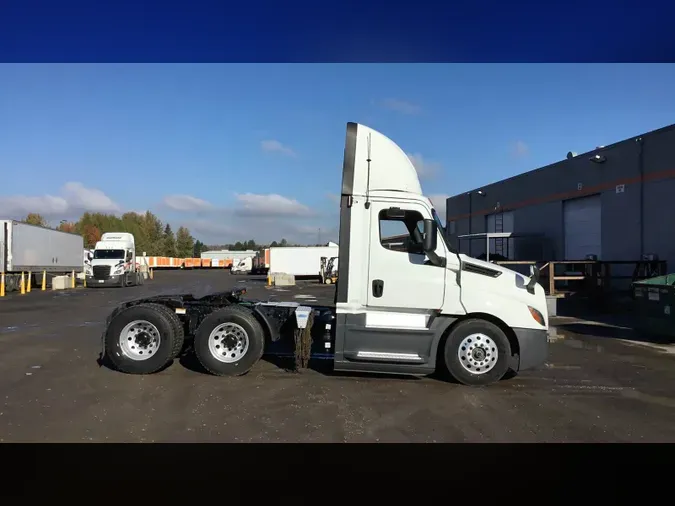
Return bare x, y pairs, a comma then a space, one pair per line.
2, 284
269, 280
84, 280
44, 280
30, 282
23, 283
152, 276
72, 279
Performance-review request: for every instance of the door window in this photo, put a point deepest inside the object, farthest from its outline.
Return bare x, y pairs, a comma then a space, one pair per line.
403, 233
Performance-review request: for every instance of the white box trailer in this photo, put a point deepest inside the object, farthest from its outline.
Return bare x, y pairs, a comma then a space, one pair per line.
29, 248
300, 260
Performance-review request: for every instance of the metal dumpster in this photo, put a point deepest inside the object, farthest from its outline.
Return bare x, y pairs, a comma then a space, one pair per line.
655, 304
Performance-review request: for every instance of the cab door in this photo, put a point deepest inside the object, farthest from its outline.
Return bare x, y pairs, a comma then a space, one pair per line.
400, 276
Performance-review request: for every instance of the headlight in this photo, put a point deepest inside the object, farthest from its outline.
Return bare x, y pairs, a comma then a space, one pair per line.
119, 270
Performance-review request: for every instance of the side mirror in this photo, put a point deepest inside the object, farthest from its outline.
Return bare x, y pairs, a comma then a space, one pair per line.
430, 236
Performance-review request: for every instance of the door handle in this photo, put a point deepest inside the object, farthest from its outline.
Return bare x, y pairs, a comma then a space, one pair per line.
378, 288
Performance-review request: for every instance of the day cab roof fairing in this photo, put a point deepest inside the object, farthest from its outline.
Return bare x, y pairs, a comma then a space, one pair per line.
372, 163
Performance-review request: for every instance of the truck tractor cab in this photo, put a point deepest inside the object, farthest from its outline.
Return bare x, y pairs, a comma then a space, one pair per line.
243, 266
406, 301
113, 262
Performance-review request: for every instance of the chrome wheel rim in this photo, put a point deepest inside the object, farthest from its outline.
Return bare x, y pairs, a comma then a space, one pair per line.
478, 354
139, 340
228, 342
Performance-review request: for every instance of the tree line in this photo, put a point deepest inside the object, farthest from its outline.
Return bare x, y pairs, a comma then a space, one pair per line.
151, 235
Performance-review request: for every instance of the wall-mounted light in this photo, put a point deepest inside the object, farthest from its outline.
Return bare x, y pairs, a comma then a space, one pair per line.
598, 159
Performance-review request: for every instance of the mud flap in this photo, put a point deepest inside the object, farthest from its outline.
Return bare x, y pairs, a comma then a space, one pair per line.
304, 317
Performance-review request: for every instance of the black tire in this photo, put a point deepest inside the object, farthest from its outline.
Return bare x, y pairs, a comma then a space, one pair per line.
256, 341
171, 334
178, 329
497, 341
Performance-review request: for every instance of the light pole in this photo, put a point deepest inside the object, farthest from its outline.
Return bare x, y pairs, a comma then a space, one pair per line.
470, 194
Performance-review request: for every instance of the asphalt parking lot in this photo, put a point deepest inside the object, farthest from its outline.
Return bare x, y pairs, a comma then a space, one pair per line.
595, 388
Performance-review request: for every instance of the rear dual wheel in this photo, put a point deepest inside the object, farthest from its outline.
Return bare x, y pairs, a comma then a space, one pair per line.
144, 339
229, 341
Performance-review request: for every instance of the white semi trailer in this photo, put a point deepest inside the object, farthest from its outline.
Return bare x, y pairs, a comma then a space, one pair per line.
32, 249
300, 261
407, 307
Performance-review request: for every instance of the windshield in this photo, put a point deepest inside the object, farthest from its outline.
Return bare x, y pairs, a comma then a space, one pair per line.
444, 233
109, 254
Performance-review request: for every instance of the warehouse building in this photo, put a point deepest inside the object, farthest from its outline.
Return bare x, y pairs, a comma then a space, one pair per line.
616, 202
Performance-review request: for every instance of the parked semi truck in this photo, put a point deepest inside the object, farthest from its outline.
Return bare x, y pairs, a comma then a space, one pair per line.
404, 308
114, 262
243, 266
32, 249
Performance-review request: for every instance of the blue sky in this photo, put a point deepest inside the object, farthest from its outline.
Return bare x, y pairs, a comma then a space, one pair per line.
240, 151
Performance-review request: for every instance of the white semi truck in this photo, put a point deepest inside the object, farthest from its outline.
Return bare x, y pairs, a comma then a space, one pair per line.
114, 262
243, 266
405, 307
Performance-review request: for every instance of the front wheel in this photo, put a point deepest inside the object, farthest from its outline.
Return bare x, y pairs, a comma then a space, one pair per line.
477, 352
229, 341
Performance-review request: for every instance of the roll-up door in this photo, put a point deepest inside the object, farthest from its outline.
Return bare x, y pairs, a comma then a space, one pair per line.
582, 222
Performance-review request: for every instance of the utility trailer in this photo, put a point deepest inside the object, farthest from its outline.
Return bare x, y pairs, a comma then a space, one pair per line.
300, 261
401, 307
32, 249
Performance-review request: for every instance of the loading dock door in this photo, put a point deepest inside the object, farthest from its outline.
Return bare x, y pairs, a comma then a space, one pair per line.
582, 222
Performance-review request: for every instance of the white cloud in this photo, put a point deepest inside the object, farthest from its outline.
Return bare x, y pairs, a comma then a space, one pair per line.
261, 217
438, 201
186, 203
401, 106
88, 199
272, 146
520, 149
251, 204
425, 169
75, 198
262, 230
209, 228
